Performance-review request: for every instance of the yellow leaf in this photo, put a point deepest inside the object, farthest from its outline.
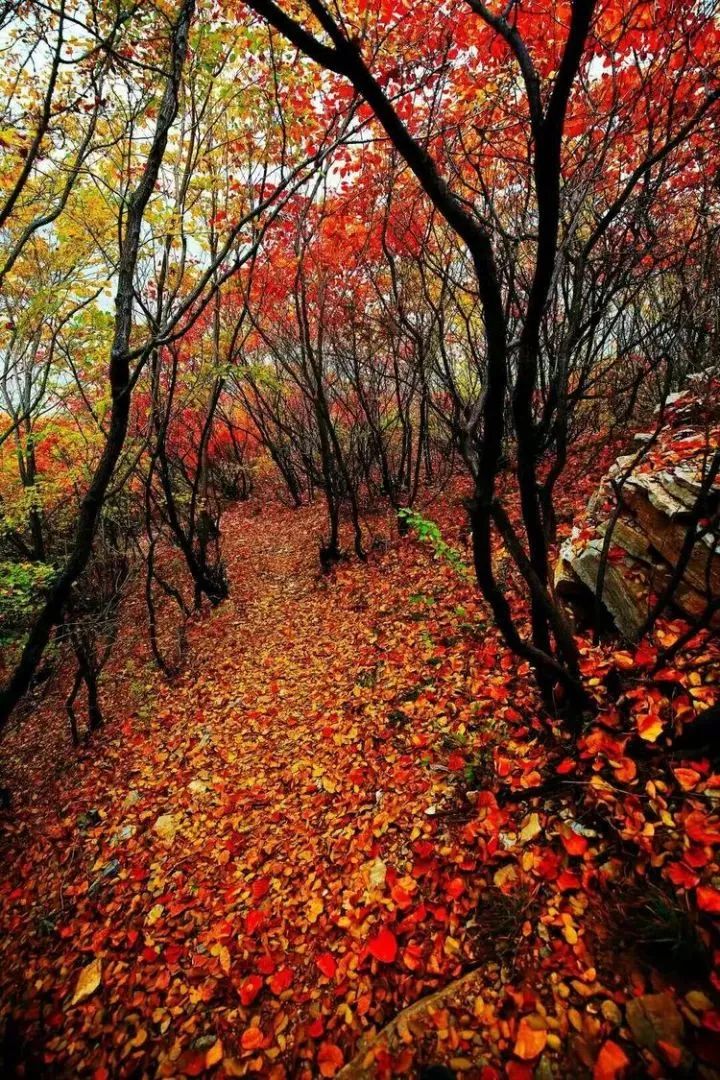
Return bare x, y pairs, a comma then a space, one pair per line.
154, 914
88, 981
649, 726
531, 829
315, 908
214, 1054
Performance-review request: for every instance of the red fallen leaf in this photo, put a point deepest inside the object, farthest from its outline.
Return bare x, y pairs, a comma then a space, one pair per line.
667, 674
402, 898
281, 980
330, 1059
316, 1029
645, 655
253, 921
573, 843
514, 1070
260, 888
708, 899
611, 1062
266, 964
649, 726
567, 765
616, 553
194, 1063
567, 881
384, 946
671, 1053
455, 888
326, 963
702, 829
252, 1039
412, 957
681, 875
456, 761
250, 988
711, 1020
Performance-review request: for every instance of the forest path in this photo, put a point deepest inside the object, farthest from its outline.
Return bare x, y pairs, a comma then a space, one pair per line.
331, 814
258, 852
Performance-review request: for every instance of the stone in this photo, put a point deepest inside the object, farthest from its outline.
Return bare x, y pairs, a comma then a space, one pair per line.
659, 493
655, 1018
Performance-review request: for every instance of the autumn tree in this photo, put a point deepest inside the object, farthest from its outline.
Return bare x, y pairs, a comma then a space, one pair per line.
535, 78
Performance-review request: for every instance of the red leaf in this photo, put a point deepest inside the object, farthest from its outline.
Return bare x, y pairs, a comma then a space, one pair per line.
281, 980
455, 888
611, 1062
708, 899
384, 946
260, 888
253, 921
681, 875
326, 963
573, 843
250, 989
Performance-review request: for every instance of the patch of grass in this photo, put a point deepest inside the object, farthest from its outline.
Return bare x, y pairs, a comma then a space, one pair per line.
497, 922
661, 928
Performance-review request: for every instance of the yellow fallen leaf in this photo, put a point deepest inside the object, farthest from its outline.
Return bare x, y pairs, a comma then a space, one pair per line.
314, 910
570, 935
214, 1054
88, 981
154, 914
531, 829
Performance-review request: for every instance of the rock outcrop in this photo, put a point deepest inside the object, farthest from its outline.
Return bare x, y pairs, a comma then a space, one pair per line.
649, 500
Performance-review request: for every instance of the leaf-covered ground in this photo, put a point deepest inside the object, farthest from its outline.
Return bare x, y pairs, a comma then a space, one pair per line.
348, 800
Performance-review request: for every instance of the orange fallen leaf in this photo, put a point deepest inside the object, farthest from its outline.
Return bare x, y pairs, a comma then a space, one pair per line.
529, 1041
330, 1059
611, 1062
252, 1039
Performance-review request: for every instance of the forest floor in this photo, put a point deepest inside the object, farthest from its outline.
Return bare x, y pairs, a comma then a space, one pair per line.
337, 808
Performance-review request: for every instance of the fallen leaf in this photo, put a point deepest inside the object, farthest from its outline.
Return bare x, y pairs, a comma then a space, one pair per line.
384, 946
611, 1062
88, 981
529, 1041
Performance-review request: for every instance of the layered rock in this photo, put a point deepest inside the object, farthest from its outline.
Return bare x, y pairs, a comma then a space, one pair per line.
648, 500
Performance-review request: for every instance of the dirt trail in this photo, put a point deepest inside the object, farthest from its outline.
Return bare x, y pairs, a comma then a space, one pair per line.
229, 847
331, 814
